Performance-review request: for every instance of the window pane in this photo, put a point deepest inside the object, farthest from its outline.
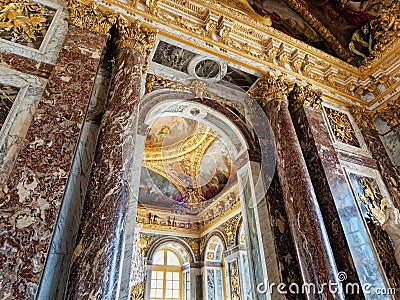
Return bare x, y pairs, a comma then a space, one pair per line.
153, 283
172, 259
176, 285
176, 294
168, 294
169, 275
169, 285
158, 258
159, 284
152, 293
176, 275
159, 293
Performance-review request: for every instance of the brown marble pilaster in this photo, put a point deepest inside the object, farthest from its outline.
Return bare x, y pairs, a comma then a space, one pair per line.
32, 196
96, 268
328, 178
314, 253
388, 171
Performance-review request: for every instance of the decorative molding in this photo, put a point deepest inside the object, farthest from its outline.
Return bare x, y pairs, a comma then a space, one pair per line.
138, 35
305, 96
363, 117
90, 15
230, 34
271, 87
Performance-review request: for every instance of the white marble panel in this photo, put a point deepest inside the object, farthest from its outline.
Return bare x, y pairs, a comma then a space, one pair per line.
13, 131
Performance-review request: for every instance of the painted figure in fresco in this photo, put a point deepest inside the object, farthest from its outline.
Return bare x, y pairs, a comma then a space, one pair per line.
392, 227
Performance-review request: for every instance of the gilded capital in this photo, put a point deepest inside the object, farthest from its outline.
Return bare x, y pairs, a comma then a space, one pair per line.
363, 117
137, 35
90, 15
270, 87
305, 96
391, 113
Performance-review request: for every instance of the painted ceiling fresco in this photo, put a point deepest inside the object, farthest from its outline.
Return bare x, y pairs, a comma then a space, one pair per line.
166, 131
184, 162
341, 17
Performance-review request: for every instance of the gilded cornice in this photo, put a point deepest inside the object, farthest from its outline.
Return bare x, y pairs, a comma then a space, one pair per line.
230, 34
138, 35
270, 87
305, 96
90, 15
363, 117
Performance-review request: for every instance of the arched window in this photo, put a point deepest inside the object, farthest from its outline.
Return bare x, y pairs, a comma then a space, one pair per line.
166, 276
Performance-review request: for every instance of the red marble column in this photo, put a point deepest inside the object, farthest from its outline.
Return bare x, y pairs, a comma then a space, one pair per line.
97, 259
387, 169
32, 196
329, 181
314, 253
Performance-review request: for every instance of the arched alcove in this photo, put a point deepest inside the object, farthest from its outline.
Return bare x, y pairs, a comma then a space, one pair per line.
177, 132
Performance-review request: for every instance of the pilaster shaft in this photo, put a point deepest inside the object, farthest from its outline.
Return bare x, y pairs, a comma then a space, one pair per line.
330, 185
390, 176
314, 253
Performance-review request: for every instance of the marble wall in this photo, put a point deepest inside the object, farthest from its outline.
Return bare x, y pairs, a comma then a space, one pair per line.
54, 75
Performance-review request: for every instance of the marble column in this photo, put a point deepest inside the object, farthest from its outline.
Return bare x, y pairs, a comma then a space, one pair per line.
314, 252
387, 169
32, 196
97, 262
330, 185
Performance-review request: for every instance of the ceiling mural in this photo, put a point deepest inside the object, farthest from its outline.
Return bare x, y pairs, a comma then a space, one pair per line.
185, 166
286, 20
341, 18
216, 169
166, 131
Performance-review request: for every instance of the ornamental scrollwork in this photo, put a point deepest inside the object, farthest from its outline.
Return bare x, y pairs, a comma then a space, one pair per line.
23, 18
137, 35
363, 117
341, 127
305, 96
270, 87
391, 113
90, 15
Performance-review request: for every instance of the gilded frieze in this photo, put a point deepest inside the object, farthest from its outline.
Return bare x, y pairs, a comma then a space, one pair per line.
212, 23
